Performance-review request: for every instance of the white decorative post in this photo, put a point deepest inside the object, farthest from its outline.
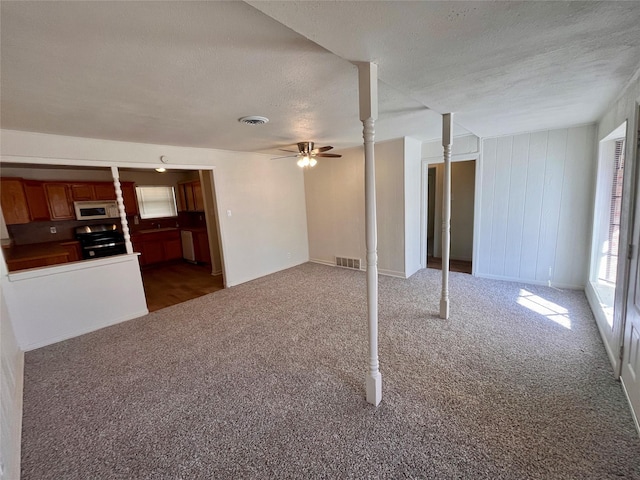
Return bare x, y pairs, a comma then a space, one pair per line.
368, 76
447, 129
123, 213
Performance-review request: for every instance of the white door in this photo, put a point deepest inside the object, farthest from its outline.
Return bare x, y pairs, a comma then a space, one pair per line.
630, 373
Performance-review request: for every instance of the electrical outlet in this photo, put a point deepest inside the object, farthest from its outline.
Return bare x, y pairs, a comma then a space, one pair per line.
53, 230
288, 254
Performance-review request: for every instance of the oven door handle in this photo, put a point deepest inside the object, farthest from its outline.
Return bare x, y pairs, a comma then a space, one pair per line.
104, 245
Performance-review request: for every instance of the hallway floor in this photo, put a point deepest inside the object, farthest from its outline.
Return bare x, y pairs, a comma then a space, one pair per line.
461, 266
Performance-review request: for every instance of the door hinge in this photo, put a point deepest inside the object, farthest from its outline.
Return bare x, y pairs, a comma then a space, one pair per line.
630, 252
621, 354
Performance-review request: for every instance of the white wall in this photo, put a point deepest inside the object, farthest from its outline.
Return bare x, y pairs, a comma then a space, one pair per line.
463, 178
10, 396
389, 158
334, 191
63, 301
413, 204
336, 214
266, 231
535, 207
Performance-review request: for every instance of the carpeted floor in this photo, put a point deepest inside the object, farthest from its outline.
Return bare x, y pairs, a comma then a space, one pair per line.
266, 380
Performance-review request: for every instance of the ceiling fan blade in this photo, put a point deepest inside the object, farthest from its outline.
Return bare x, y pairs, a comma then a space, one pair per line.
321, 149
286, 156
292, 151
331, 155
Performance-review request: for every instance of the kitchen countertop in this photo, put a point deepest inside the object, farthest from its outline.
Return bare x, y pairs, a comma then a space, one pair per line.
36, 251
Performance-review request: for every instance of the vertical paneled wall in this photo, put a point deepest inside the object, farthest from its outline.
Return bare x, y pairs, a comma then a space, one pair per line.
535, 208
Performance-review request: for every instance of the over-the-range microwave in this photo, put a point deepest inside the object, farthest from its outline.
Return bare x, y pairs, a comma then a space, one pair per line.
94, 210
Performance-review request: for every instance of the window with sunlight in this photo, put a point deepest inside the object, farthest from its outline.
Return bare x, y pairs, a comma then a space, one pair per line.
156, 202
606, 228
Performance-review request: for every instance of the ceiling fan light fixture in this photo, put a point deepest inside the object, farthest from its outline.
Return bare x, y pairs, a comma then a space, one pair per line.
253, 120
304, 162
312, 162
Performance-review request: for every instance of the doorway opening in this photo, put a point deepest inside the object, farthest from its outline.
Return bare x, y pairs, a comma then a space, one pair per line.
463, 177
180, 256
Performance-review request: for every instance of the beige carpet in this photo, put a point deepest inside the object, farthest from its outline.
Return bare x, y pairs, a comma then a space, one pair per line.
266, 380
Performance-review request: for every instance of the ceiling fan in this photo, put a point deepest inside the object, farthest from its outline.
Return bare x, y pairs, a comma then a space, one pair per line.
307, 154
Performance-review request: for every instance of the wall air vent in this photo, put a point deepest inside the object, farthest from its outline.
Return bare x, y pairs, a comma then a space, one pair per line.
348, 262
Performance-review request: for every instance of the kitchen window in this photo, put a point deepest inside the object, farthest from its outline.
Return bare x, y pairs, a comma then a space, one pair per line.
156, 202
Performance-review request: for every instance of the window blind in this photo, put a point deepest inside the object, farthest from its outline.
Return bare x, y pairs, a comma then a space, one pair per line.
613, 237
156, 201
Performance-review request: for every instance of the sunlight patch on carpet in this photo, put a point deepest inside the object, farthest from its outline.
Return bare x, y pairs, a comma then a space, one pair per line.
547, 309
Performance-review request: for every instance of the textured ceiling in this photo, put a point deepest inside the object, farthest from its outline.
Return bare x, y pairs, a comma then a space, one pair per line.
182, 73
502, 67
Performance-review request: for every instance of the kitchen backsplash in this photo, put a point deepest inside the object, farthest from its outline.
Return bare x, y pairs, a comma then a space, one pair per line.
39, 232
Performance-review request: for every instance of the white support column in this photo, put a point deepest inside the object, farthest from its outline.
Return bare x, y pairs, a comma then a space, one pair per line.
447, 139
123, 214
368, 76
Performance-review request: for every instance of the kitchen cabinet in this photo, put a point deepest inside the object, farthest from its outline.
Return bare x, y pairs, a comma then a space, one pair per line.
60, 201
73, 250
82, 191
190, 197
36, 200
14, 201
104, 191
201, 247
129, 197
157, 246
25, 201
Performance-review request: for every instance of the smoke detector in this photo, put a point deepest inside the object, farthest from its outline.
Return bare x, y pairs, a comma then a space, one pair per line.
253, 120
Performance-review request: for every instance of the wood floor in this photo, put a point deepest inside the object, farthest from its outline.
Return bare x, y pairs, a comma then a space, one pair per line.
454, 265
167, 285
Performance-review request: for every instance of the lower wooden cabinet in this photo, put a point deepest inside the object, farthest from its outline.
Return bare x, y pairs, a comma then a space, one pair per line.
201, 247
73, 250
158, 247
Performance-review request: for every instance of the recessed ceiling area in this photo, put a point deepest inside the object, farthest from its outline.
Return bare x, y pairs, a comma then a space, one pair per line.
183, 73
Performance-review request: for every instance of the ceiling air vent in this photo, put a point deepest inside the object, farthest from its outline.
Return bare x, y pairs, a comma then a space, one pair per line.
253, 120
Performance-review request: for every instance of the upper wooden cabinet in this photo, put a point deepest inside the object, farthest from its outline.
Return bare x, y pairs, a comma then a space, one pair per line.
190, 197
129, 197
82, 191
104, 191
60, 201
36, 200
14, 201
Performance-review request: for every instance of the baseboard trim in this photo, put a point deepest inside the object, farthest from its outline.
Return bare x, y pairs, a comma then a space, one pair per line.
594, 304
530, 282
633, 413
77, 333
386, 273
